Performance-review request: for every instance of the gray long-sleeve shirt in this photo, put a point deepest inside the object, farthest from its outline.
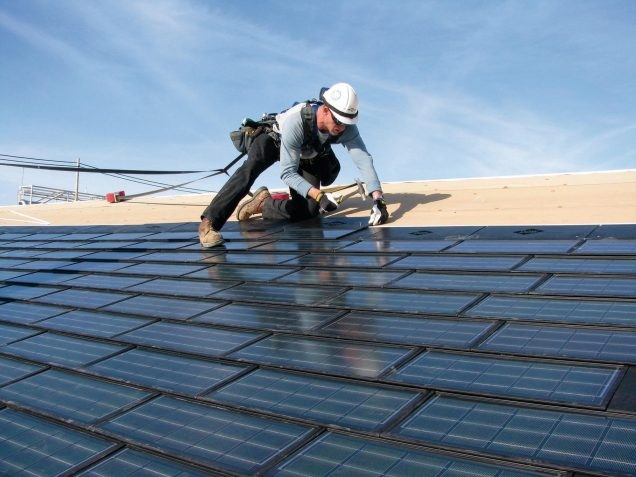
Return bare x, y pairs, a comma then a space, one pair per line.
290, 128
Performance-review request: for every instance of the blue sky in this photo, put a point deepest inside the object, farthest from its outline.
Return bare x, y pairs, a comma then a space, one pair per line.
447, 89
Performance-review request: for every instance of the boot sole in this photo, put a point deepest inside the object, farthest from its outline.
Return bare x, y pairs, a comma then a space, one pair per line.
212, 244
248, 202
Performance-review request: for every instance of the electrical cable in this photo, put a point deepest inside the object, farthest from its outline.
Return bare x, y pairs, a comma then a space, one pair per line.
99, 170
36, 163
151, 183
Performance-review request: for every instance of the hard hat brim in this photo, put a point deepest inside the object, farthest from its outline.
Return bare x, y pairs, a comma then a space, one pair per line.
343, 119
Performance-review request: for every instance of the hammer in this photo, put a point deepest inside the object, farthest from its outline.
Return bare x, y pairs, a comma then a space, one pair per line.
359, 190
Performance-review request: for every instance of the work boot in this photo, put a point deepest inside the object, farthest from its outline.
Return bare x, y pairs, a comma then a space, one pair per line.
208, 236
253, 205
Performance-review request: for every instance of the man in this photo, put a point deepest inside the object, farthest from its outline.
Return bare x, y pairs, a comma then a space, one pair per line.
301, 140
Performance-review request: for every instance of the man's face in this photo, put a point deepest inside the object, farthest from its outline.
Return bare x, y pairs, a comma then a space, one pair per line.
328, 123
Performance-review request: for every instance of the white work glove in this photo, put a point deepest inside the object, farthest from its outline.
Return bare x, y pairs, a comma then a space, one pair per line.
379, 214
326, 202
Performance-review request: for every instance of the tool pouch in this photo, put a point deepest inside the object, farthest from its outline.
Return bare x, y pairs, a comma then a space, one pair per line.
244, 136
329, 167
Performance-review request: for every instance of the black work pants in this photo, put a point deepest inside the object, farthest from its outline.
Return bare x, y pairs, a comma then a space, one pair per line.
262, 154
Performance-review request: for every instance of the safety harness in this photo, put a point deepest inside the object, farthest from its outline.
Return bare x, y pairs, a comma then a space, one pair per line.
249, 130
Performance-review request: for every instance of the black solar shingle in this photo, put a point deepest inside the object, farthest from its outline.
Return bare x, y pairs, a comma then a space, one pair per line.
318, 348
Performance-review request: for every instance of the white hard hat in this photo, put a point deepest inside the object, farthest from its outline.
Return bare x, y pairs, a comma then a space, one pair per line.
342, 100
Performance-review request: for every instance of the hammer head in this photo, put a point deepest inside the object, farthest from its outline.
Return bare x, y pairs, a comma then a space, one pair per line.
361, 189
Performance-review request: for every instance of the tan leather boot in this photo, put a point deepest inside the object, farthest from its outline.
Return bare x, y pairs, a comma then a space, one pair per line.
208, 236
254, 205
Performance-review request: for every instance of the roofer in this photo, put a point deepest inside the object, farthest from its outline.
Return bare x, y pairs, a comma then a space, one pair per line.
301, 139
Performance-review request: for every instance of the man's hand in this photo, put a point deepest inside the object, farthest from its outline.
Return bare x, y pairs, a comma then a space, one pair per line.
379, 214
326, 202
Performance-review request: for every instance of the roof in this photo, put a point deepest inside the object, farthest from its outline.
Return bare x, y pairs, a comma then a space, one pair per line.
320, 348
555, 199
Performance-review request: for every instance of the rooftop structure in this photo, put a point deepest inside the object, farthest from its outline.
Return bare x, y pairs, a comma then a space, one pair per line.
325, 347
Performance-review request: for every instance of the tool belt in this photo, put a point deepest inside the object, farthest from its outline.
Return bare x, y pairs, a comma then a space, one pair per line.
325, 165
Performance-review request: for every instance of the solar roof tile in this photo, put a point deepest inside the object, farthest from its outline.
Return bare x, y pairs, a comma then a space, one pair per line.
182, 287
590, 286
326, 325
9, 274
11, 262
580, 265
267, 317
162, 269
10, 333
458, 262
533, 232
18, 312
556, 310
33, 446
208, 435
313, 233
23, 244
172, 236
512, 283
418, 233
186, 257
115, 255
418, 330
302, 246
101, 325
370, 245
70, 254
45, 264
337, 454
242, 272
322, 276
514, 246
587, 343
500, 376
335, 402
85, 298
248, 258
106, 281
148, 245
41, 278
13, 370
21, 253
52, 348
190, 339
292, 295
162, 307
104, 245
344, 260
97, 266
179, 374
607, 247
323, 355
404, 301
60, 245
133, 463
71, 396
13, 236
25, 292
616, 231
80, 236
590, 442
127, 236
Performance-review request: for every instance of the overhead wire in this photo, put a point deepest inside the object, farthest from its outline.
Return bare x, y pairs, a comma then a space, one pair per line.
39, 163
151, 183
70, 166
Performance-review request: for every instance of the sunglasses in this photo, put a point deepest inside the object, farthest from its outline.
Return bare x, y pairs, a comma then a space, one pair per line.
335, 120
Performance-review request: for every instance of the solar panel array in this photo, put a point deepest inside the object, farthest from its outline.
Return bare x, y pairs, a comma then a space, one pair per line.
319, 348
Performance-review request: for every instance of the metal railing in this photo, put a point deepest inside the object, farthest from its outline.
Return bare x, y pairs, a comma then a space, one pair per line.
33, 194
